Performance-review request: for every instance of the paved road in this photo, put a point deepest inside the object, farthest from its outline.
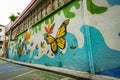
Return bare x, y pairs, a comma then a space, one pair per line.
10, 71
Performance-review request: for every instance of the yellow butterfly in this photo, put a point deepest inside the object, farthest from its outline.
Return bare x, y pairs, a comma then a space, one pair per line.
59, 41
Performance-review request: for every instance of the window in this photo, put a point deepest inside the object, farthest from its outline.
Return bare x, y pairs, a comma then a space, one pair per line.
0, 30
1, 43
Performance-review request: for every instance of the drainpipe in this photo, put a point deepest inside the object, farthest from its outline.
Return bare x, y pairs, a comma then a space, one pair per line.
5, 43
89, 45
89, 51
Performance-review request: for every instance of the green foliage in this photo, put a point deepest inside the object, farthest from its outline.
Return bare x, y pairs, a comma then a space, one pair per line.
13, 17
94, 9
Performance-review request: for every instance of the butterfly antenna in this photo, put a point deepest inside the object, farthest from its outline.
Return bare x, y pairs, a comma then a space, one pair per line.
66, 21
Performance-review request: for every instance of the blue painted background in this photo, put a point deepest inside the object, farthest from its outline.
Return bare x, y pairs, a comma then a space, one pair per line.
106, 60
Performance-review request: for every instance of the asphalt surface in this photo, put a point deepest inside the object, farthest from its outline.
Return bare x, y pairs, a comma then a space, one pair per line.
11, 71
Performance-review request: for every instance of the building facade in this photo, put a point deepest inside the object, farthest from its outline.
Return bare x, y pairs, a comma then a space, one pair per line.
80, 35
2, 34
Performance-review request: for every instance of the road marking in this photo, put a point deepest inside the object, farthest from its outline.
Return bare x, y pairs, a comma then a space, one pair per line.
22, 74
66, 78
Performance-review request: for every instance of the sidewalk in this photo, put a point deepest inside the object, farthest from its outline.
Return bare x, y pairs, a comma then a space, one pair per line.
10, 71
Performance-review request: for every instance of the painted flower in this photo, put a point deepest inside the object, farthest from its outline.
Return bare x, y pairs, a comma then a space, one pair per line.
42, 44
49, 29
28, 35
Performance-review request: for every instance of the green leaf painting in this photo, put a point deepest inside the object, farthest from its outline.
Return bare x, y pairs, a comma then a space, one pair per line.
94, 9
67, 12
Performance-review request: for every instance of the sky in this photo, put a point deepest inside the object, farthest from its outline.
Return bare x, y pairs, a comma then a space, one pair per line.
7, 7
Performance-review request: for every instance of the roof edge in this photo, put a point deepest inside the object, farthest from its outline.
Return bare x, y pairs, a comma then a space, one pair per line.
2, 25
23, 13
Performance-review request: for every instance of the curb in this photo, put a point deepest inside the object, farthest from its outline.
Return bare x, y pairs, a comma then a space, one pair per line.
71, 73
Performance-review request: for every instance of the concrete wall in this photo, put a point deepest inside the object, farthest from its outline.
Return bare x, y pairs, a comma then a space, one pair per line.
2, 33
82, 36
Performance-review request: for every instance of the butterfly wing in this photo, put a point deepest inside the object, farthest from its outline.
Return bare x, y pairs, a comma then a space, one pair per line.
61, 42
54, 47
49, 39
61, 31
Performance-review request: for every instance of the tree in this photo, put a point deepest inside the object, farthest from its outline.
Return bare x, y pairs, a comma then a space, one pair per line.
13, 17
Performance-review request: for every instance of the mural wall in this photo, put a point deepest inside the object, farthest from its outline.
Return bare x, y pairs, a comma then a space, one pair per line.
82, 36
